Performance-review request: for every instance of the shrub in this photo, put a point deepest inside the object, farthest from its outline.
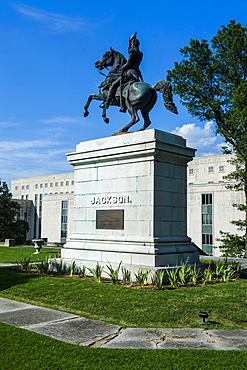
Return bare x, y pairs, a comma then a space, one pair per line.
232, 245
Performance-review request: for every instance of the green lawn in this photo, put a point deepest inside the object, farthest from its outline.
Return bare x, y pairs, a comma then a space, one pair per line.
24, 350
121, 305
129, 307
17, 254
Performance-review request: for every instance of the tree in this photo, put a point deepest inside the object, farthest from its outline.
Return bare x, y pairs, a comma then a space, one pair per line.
212, 83
10, 227
232, 245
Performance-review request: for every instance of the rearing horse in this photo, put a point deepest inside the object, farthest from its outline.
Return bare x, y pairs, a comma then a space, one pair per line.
132, 96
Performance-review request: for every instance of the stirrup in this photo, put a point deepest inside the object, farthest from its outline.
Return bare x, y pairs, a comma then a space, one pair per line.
123, 110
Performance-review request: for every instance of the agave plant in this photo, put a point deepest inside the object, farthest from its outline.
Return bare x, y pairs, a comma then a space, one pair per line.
71, 269
24, 264
97, 272
207, 275
227, 274
43, 267
219, 271
126, 275
113, 273
158, 279
184, 273
173, 275
142, 277
59, 267
195, 273
81, 271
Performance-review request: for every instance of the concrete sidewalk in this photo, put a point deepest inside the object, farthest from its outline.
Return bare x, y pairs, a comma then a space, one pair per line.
79, 330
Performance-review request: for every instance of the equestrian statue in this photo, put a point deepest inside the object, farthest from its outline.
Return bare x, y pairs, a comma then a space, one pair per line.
124, 87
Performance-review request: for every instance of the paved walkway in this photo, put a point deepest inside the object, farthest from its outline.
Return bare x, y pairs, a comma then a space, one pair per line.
79, 330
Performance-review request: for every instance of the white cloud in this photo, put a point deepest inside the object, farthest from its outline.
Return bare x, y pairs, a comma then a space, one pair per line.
53, 21
62, 120
6, 124
20, 159
14, 146
201, 138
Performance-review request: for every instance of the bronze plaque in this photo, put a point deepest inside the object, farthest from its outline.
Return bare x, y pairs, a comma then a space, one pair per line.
110, 219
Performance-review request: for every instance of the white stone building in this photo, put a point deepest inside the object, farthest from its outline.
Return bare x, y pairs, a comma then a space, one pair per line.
53, 200
209, 203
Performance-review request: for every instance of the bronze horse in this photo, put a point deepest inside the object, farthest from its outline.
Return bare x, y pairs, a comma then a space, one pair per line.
131, 96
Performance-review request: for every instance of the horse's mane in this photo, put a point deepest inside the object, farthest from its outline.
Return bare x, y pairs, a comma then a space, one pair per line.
122, 59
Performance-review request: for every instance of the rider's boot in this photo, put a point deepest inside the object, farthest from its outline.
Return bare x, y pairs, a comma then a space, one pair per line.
109, 97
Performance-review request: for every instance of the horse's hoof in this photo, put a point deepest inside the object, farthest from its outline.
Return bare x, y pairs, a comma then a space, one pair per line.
85, 113
106, 120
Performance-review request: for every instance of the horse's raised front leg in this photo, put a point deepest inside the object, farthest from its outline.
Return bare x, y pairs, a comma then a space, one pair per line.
90, 98
135, 118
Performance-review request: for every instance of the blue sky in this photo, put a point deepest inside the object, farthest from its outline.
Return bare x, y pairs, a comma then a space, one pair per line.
48, 51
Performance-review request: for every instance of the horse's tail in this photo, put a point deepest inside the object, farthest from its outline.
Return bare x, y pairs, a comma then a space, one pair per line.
166, 89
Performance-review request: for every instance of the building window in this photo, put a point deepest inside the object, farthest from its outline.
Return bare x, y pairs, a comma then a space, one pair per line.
64, 221
27, 186
221, 168
23, 187
40, 213
61, 183
67, 183
41, 185
210, 169
191, 171
27, 197
35, 234
72, 182
56, 183
36, 186
46, 185
207, 223
51, 184
16, 187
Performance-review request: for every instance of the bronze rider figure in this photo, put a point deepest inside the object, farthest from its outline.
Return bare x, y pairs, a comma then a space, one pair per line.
130, 71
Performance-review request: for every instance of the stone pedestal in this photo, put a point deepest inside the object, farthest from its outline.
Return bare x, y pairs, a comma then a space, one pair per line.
130, 202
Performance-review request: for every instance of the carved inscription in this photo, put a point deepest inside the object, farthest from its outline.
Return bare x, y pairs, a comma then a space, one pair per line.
121, 199
110, 219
